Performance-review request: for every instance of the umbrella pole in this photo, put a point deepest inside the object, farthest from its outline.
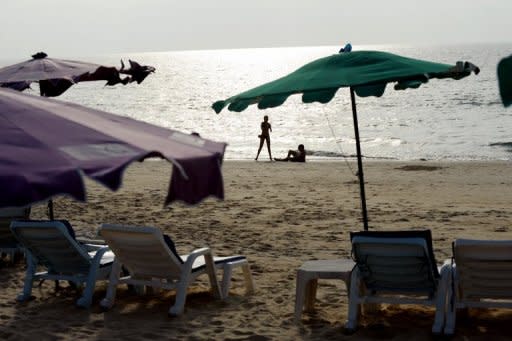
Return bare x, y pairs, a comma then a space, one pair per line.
50, 209
359, 160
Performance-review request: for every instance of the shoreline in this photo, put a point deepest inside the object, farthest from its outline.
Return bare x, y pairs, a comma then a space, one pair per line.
371, 159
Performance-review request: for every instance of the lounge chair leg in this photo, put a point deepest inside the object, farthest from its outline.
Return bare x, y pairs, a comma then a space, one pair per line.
110, 298
226, 279
15, 257
86, 300
353, 302
210, 269
249, 282
449, 327
311, 287
300, 292
442, 293
29, 279
181, 297
140, 290
451, 309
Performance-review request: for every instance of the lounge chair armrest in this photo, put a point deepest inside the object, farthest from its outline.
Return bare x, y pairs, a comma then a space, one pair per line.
445, 269
85, 240
92, 247
99, 254
196, 253
446, 261
91, 244
207, 253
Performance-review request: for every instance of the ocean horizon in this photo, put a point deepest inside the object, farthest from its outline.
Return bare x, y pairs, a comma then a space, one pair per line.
442, 120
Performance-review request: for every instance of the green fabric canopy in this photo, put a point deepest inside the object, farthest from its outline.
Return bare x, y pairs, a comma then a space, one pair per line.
367, 72
505, 80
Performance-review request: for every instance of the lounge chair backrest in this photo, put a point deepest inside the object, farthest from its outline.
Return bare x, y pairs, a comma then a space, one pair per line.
484, 268
15, 212
396, 261
6, 216
143, 251
52, 245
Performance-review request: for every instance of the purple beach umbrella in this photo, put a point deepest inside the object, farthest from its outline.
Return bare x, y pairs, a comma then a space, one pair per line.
48, 145
55, 76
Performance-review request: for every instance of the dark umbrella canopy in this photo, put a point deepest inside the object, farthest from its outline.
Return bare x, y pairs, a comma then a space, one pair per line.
47, 145
505, 80
56, 75
365, 72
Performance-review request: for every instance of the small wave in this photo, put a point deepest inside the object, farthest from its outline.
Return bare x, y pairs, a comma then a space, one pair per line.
491, 103
475, 103
327, 154
506, 145
324, 153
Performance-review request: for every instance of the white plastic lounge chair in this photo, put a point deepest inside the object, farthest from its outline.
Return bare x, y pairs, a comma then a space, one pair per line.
52, 245
482, 277
151, 260
9, 245
396, 267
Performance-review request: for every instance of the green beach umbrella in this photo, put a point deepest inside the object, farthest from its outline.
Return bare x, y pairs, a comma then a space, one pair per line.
365, 72
505, 80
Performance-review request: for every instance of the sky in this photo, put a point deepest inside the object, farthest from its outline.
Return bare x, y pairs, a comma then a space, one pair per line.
94, 27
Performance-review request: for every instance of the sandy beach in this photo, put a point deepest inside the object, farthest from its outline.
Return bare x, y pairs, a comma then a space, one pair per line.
279, 215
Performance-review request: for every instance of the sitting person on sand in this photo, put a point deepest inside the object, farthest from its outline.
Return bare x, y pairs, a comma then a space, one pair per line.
295, 155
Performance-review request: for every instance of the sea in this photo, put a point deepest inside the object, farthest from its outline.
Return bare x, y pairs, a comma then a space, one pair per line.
441, 120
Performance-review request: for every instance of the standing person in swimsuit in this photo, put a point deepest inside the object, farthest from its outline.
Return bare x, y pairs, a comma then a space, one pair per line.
266, 128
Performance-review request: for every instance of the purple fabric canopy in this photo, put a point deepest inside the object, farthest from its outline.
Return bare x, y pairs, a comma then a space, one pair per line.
56, 75
46, 145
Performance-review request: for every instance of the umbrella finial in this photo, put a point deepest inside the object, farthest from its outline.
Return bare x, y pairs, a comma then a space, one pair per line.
39, 55
347, 48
